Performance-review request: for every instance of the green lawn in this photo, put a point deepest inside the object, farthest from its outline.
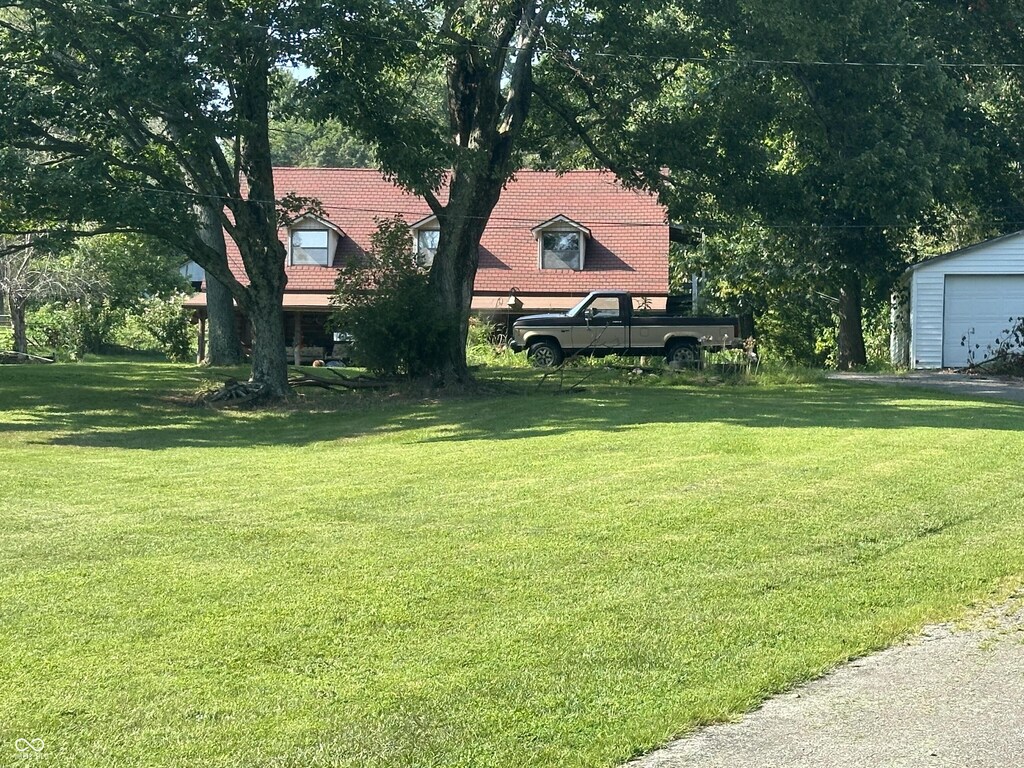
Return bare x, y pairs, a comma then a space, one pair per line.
525, 579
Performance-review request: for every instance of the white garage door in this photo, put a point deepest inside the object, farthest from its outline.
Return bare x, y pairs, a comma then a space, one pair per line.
979, 306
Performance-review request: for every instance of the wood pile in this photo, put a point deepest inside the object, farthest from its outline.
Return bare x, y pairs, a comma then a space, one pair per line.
232, 394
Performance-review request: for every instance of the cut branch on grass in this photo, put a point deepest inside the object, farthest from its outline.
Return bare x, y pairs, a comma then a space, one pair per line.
339, 382
560, 370
232, 393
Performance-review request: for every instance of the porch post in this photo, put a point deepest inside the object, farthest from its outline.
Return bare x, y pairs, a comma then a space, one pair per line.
201, 353
297, 339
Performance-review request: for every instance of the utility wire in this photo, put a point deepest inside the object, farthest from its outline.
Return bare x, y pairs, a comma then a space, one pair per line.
730, 60
695, 225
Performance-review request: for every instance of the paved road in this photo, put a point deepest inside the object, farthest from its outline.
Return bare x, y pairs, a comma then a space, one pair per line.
952, 698
946, 381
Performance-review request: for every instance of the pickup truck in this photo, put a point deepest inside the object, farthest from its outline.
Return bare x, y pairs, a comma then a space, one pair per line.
605, 323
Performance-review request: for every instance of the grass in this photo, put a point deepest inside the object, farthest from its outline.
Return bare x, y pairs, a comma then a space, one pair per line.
525, 579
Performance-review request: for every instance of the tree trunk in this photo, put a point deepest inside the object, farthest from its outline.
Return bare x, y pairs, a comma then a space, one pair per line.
269, 362
851, 331
471, 200
17, 308
223, 346
256, 227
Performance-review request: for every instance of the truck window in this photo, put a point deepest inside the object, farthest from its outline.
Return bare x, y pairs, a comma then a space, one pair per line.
605, 307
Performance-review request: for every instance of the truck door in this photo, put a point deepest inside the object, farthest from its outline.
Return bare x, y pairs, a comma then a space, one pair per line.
605, 326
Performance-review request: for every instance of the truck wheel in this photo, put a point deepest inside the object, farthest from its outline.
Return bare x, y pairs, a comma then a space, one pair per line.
545, 354
683, 354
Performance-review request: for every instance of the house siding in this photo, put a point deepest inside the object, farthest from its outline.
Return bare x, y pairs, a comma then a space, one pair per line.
1004, 256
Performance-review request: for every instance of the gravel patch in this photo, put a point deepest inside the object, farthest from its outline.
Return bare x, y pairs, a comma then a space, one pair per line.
952, 697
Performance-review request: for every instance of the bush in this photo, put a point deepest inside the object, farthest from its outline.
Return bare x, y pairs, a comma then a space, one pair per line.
59, 327
159, 325
388, 307
487, 345
75, 328
168, 326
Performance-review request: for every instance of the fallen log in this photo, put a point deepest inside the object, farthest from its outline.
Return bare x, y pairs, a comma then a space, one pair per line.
10, 355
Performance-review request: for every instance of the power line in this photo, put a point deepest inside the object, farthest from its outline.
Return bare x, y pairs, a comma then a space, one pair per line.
695, 225
667, 59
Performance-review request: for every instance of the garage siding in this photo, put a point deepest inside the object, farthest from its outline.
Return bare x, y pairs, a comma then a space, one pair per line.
1003, 256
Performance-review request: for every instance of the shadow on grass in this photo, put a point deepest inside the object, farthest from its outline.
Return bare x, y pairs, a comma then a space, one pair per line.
137, 406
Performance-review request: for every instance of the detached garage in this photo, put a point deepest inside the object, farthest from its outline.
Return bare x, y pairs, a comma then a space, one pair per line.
969, 293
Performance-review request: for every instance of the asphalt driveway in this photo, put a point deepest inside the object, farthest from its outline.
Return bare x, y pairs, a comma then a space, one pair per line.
953, 382
952, 697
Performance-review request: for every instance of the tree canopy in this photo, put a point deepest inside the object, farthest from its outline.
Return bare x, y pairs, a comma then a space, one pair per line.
817, 144
133, 116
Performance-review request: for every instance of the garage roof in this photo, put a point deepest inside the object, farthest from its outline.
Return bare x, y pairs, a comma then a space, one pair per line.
963, 251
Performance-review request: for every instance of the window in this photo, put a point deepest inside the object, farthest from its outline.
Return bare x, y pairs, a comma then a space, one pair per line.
310, 247
604, 307
193, 273
561, 250
426, 246
561, 243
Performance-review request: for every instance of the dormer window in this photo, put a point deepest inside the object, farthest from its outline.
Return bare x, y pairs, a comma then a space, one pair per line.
312, 242
425, 235
311, 247
561, 244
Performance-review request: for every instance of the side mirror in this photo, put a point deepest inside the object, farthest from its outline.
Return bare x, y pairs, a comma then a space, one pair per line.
588, 313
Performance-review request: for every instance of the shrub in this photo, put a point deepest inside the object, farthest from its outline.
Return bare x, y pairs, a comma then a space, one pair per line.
167, 323
59, 327
75, 328
385, 302
1005, 356
488, 345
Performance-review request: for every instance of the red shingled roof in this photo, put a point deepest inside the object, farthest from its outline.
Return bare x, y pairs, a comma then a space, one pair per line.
628, 247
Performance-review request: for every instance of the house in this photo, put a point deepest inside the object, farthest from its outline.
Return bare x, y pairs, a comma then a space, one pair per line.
950, 309
550, 240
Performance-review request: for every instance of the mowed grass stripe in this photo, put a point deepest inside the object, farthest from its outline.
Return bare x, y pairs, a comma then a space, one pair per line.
527, 579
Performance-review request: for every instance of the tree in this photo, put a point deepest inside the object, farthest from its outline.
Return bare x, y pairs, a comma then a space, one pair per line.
384, 302
860, 128
30, 273
131, 271
298, 139
509, 76
142, 113
223, 346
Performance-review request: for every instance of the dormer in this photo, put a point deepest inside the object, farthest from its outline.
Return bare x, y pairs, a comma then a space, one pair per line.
561, 243
312, 241
425, 234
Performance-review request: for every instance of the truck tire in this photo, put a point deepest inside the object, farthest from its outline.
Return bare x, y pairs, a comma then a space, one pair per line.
683, 354
545, 354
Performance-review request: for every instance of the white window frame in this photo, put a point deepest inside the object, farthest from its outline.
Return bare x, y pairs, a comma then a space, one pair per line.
429, 224
424, 256
311, 223
326, 248
580, 249
562, 225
